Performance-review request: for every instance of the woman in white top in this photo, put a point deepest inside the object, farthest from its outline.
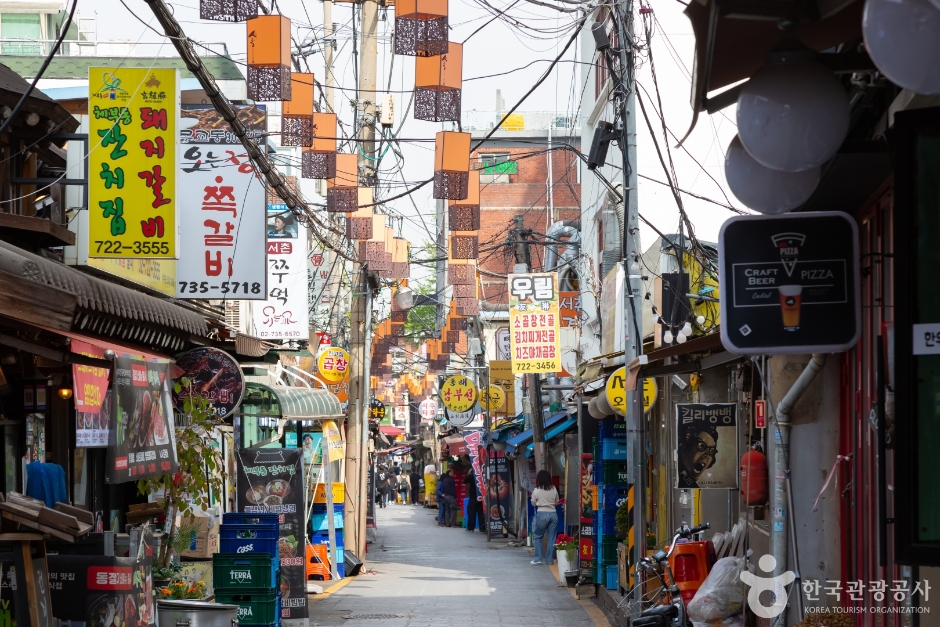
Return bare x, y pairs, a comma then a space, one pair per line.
545, 523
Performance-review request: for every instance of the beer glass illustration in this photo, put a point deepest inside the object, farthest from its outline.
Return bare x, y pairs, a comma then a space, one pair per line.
790, 297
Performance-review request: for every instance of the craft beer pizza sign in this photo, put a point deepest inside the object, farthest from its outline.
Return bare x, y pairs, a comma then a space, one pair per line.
791, 283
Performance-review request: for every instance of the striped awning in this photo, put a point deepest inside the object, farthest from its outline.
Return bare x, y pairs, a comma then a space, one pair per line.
304, 403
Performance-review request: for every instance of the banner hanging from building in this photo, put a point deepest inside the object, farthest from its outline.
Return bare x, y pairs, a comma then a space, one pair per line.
473, 439
222, 203
499, 494
141, 441
284, 315
89, 383
132, 198
706, 445
323, 269
534, 323
91, 429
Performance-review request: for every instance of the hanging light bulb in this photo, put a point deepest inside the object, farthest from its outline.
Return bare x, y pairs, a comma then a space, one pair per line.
794, 113
700, 320
762, 189
687, 329
634, 267
681, 338
667, 337
903, 40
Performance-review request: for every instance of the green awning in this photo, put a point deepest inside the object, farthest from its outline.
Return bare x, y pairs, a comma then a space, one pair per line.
299, 403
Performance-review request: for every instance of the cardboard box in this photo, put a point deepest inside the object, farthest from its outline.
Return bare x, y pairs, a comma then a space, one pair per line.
204, 541
198, 571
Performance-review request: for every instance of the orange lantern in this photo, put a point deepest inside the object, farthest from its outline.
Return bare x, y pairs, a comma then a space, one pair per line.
228, 10
297, 113
269, 75
451, 165
359, 222
319, 160
438, 82
342, 191
464, 215
401, 268
421, 27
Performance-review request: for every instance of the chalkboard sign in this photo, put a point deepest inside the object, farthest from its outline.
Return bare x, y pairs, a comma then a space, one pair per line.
789, 283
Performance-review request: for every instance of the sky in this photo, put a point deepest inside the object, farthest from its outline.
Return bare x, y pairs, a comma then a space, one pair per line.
499, 47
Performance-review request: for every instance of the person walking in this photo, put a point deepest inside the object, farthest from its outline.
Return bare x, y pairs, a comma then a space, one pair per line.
381, 485
449, 496
545, 524
404, 485
415, 480
441, 507
391, 487
474, 507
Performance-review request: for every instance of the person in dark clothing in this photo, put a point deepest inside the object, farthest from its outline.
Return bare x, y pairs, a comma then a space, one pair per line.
449, 496
474, 507
381, 485
396, 469
415, 479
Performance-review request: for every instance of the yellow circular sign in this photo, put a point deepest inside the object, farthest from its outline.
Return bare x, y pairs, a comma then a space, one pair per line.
616, 391
494, 398
333, 364
650, 392
458, 393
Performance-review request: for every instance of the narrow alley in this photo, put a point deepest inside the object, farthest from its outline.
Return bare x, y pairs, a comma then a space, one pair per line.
421, 574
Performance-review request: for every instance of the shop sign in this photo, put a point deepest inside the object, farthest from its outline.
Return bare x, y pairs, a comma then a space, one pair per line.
333, 364
493, 398
428, 409
313, 453
333, 441
615, 391
587, 513
89, 383
534, 323
706, 445
650, 393
499, 494
503, 343
91, 430
458, 393
215, 375
501, 375
376, 410
272, 480
570, 309
141, 442
284, 314
460, 419
321, 266
222, 203
790, 283
473, 440
132, 173
88, 588
340, 389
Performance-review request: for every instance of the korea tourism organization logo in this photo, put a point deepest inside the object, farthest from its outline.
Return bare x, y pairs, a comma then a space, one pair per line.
776, 585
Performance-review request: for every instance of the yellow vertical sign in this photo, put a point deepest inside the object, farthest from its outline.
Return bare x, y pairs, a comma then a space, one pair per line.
534, 323
133, 136
501, 375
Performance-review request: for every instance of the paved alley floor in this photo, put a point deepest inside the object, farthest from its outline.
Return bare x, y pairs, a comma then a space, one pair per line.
425, 575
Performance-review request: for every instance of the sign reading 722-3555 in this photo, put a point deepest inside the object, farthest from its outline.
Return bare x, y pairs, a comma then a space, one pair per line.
132, 132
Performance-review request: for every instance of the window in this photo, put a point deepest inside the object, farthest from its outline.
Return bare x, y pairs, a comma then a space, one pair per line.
496, 168
24, 26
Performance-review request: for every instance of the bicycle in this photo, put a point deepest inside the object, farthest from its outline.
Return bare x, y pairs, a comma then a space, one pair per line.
662, 606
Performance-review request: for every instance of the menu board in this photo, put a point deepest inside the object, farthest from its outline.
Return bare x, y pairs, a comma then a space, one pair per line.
141, 441
499, 494
102, 591
132, 166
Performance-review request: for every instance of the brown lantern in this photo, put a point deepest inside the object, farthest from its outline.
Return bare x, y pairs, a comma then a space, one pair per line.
359, 223
464, 215
297, 113
464, 245
401, 268
342, 191
438, 82
319, 160
421, 27
461, 274
228, 10
451, 165
269, 75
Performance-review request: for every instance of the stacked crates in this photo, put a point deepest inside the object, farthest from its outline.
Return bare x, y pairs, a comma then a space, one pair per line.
610, 480
320, 532
246, 571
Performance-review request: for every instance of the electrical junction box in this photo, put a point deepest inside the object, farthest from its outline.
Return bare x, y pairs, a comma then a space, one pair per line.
387, 117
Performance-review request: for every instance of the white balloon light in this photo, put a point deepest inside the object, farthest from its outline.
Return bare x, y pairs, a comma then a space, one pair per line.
667, 337
762, 189
681, 338
903, 40
793, 116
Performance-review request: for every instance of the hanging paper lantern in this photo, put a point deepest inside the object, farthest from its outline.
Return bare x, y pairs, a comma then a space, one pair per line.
461, 274
421, 28
464, 215
438, 82
464, 246
228, 10
451, 165
359, 223
297, 113
319, 161
342, 191
401, 268
269, 75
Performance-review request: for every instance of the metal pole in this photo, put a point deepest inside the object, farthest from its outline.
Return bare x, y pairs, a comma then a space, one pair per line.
368, 59
328, 53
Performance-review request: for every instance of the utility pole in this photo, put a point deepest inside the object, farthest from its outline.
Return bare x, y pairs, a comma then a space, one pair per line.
521, 244
368, 59
329, 45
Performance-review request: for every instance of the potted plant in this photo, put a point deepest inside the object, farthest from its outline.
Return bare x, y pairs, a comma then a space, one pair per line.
565, 551
182, 589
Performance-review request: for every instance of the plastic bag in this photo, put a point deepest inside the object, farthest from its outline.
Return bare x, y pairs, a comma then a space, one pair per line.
722, 593
732, 621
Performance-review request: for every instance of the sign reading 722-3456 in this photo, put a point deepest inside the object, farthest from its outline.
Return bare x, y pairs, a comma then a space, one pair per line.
132, 132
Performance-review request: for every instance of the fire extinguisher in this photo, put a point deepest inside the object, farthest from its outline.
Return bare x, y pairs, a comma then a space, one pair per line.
754, 489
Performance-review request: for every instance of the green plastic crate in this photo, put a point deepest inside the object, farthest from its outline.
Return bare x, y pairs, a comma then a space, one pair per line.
615, 473
244, 570
256, 606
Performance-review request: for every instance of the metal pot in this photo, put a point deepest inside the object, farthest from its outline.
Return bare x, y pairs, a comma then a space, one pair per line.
182, 613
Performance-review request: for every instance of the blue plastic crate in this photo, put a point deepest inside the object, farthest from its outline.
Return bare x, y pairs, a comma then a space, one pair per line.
323, 537
341, 569
248, 539
319, 522
606, 521
247, 518
612, 429
613, 496
610, 579
320, 508
614, 449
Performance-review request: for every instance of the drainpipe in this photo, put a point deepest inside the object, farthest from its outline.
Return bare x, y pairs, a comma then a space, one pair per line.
782, 505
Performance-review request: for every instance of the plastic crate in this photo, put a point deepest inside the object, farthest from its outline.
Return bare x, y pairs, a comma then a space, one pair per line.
608, 546
612, 429
256, 606
319, 521
245, 570
614, 450
323, 537
249, 539
606, 521
614, 473
247, 518
613, 496
610, 577
341, 569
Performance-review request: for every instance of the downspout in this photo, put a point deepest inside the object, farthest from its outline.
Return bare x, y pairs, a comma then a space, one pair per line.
782, 507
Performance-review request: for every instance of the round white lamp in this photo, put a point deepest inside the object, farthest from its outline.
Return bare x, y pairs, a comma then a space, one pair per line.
903, 40
762, 189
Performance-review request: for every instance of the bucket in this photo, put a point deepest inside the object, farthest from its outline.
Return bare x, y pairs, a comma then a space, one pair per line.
183, 613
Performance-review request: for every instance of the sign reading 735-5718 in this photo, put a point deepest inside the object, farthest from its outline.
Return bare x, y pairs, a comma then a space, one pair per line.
534, 323
132, 133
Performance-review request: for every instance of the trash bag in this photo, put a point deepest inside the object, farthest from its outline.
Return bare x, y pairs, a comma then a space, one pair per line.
721, 595
732, 621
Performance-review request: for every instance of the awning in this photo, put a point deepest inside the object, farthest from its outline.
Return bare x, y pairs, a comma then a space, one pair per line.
395, 450
120, 349
554, 432
526, 436
390, 430
251, 346
303, 403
